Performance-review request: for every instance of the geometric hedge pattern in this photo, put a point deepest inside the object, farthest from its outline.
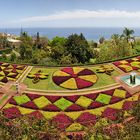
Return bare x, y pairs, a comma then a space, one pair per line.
129, 64
10, 72
65, 111
70, 103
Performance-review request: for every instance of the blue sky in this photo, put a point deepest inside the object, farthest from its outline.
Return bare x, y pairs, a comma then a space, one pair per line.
69, 13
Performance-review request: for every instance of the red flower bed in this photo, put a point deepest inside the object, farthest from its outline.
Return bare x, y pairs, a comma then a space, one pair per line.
33, 96
62, 121
72, 98
110, 113
35, 114
68, 70
30, 104
74, 107
12, 101
110, 92
128, 105
58, 80
85, 72
86, 119
11, 113
115, 100
53, 98
92, 96
82, 83
51, 107
95, 104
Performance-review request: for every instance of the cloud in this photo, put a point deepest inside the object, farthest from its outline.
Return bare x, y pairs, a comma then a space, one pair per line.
82, 14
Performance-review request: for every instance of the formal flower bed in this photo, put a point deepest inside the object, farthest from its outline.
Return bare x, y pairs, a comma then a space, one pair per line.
129, 64
81, 110
107, 69
70, 103
37, 76
10, 71
74, 78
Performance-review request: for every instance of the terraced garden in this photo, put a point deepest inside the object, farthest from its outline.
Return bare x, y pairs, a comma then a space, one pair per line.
72, 97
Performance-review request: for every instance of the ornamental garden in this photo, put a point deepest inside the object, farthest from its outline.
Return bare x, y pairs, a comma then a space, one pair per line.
71, 97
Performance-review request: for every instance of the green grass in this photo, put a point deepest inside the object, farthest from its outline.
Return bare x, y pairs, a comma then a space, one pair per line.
104, 79
48, 84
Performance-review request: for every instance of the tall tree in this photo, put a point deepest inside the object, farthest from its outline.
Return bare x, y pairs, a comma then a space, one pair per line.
101, 40
26, 46
128, 34
58, 48
78, 47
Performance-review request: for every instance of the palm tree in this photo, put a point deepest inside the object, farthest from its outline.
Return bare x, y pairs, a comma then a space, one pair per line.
128, 34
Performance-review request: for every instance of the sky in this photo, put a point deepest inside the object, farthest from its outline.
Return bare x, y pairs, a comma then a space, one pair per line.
69, 13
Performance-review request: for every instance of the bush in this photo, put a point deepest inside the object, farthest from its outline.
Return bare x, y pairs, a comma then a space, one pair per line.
6, 51
13, 56
4, 57
27, 128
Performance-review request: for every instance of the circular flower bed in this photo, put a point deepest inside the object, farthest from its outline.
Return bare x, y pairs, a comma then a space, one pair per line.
74, 78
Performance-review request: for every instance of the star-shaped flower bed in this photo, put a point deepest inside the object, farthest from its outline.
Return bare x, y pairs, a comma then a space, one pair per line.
107, 69
37, 76
74, 78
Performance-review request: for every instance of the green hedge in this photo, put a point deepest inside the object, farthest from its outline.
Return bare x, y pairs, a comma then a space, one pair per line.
6, 51
87, 64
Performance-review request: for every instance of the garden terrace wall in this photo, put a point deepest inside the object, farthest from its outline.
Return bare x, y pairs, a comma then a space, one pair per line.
87, 64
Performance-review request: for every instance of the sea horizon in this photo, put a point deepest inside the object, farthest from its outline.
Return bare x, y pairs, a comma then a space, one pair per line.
90, 33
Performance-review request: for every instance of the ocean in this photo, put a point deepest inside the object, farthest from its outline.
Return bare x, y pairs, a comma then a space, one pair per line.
89, 33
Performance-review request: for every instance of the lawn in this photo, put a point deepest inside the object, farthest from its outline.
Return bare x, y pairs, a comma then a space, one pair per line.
48, 84
45, 84
104, 79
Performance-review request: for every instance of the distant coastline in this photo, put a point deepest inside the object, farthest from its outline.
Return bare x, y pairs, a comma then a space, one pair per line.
90, 33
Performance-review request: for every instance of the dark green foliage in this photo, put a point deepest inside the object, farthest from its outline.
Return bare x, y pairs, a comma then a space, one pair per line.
4, 57
101, 40
26, 46
65, 60
58, 48
78, 47
6, 51
13, 56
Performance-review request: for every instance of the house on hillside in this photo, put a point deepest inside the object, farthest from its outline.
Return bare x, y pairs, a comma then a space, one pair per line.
15, 42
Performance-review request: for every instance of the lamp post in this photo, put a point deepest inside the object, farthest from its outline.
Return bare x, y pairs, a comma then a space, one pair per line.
17, 87
133, 78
